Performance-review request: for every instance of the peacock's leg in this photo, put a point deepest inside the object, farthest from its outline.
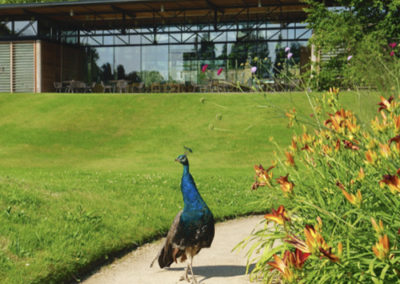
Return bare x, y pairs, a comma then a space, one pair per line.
194, 281
185, 274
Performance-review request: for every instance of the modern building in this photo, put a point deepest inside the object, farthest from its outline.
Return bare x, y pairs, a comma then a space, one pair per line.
149, 41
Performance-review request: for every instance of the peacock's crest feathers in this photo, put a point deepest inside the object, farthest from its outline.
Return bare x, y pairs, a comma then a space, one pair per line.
187, 150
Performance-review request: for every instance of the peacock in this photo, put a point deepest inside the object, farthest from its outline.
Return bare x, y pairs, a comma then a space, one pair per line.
192, 228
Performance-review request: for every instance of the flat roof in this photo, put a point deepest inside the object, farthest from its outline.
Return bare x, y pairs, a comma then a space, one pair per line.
106, 14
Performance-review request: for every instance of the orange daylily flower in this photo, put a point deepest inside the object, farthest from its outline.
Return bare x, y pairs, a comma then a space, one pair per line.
340, 185
393, 182
361, 174
294, 144
307, 148
314, 243
378, 228
370, 156
341, 120
395, 139
289, 260
397, 123
327, 150
286, 185
291, 115
306, 138
377, 125
352, 126
313, 238
385, 103
381, 248
328, 253
353, 199
350, 145
279, 216
299, 258
337, 146
290, 159
385, 150
263, 176
282, 265
334, 91
298, 244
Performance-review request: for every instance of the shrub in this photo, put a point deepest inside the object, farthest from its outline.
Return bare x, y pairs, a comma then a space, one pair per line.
339, 183
376, 64
361, 29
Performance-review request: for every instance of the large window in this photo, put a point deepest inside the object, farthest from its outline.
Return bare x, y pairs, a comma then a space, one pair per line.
173, 54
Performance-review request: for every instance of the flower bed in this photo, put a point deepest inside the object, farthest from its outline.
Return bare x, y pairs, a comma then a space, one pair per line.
340, 217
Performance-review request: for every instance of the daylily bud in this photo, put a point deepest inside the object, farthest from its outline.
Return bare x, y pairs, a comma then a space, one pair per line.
381, 248
379, 229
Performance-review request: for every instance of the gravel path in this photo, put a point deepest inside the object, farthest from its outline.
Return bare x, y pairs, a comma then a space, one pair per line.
216, 265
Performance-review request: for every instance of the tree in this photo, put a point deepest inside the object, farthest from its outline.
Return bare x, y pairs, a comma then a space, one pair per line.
359, 28
280, 57
120, 72
251, 52
207, 48
93, 69
106, 72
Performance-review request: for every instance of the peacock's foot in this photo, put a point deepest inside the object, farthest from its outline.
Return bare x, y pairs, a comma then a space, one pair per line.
194, 280
185, 276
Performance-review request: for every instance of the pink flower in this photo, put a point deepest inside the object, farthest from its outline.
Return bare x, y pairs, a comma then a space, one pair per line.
289, 55
204, 68
220, 71
392, 45
287, 49
349, 57
253, 69
392, 53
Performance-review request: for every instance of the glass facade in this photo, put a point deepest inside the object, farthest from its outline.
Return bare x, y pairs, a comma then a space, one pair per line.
173, 54
178, 53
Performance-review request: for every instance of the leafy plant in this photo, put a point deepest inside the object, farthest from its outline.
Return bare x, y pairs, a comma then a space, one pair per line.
358, 29
340, 183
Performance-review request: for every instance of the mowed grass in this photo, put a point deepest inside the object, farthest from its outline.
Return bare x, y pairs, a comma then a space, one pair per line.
83, 176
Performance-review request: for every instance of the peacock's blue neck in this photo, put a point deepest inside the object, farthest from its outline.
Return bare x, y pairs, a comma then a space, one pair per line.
185, 169
191, 196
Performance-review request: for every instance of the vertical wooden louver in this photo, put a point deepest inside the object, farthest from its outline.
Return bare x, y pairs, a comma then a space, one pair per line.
23, 67
5, 79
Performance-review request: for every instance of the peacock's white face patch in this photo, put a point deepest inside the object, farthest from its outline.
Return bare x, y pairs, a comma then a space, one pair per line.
182, 159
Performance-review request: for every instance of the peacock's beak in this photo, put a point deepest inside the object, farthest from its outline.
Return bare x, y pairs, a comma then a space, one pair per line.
176, 160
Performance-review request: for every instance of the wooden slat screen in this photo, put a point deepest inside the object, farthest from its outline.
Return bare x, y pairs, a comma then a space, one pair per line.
23, 67
5, 68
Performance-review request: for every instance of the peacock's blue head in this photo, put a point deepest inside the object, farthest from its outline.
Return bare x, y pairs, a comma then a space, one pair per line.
182, 159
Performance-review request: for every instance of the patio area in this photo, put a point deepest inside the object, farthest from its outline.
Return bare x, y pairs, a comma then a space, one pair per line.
124, 86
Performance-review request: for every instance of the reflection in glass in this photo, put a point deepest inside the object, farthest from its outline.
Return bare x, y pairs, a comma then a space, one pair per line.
154, 64
176, 57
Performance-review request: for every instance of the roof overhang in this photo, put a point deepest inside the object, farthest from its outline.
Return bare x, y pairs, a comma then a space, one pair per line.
100, 14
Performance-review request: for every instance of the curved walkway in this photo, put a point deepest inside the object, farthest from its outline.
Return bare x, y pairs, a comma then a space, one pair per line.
216, 265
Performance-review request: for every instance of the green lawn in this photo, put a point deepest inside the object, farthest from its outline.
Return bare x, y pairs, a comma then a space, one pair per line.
83, 176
